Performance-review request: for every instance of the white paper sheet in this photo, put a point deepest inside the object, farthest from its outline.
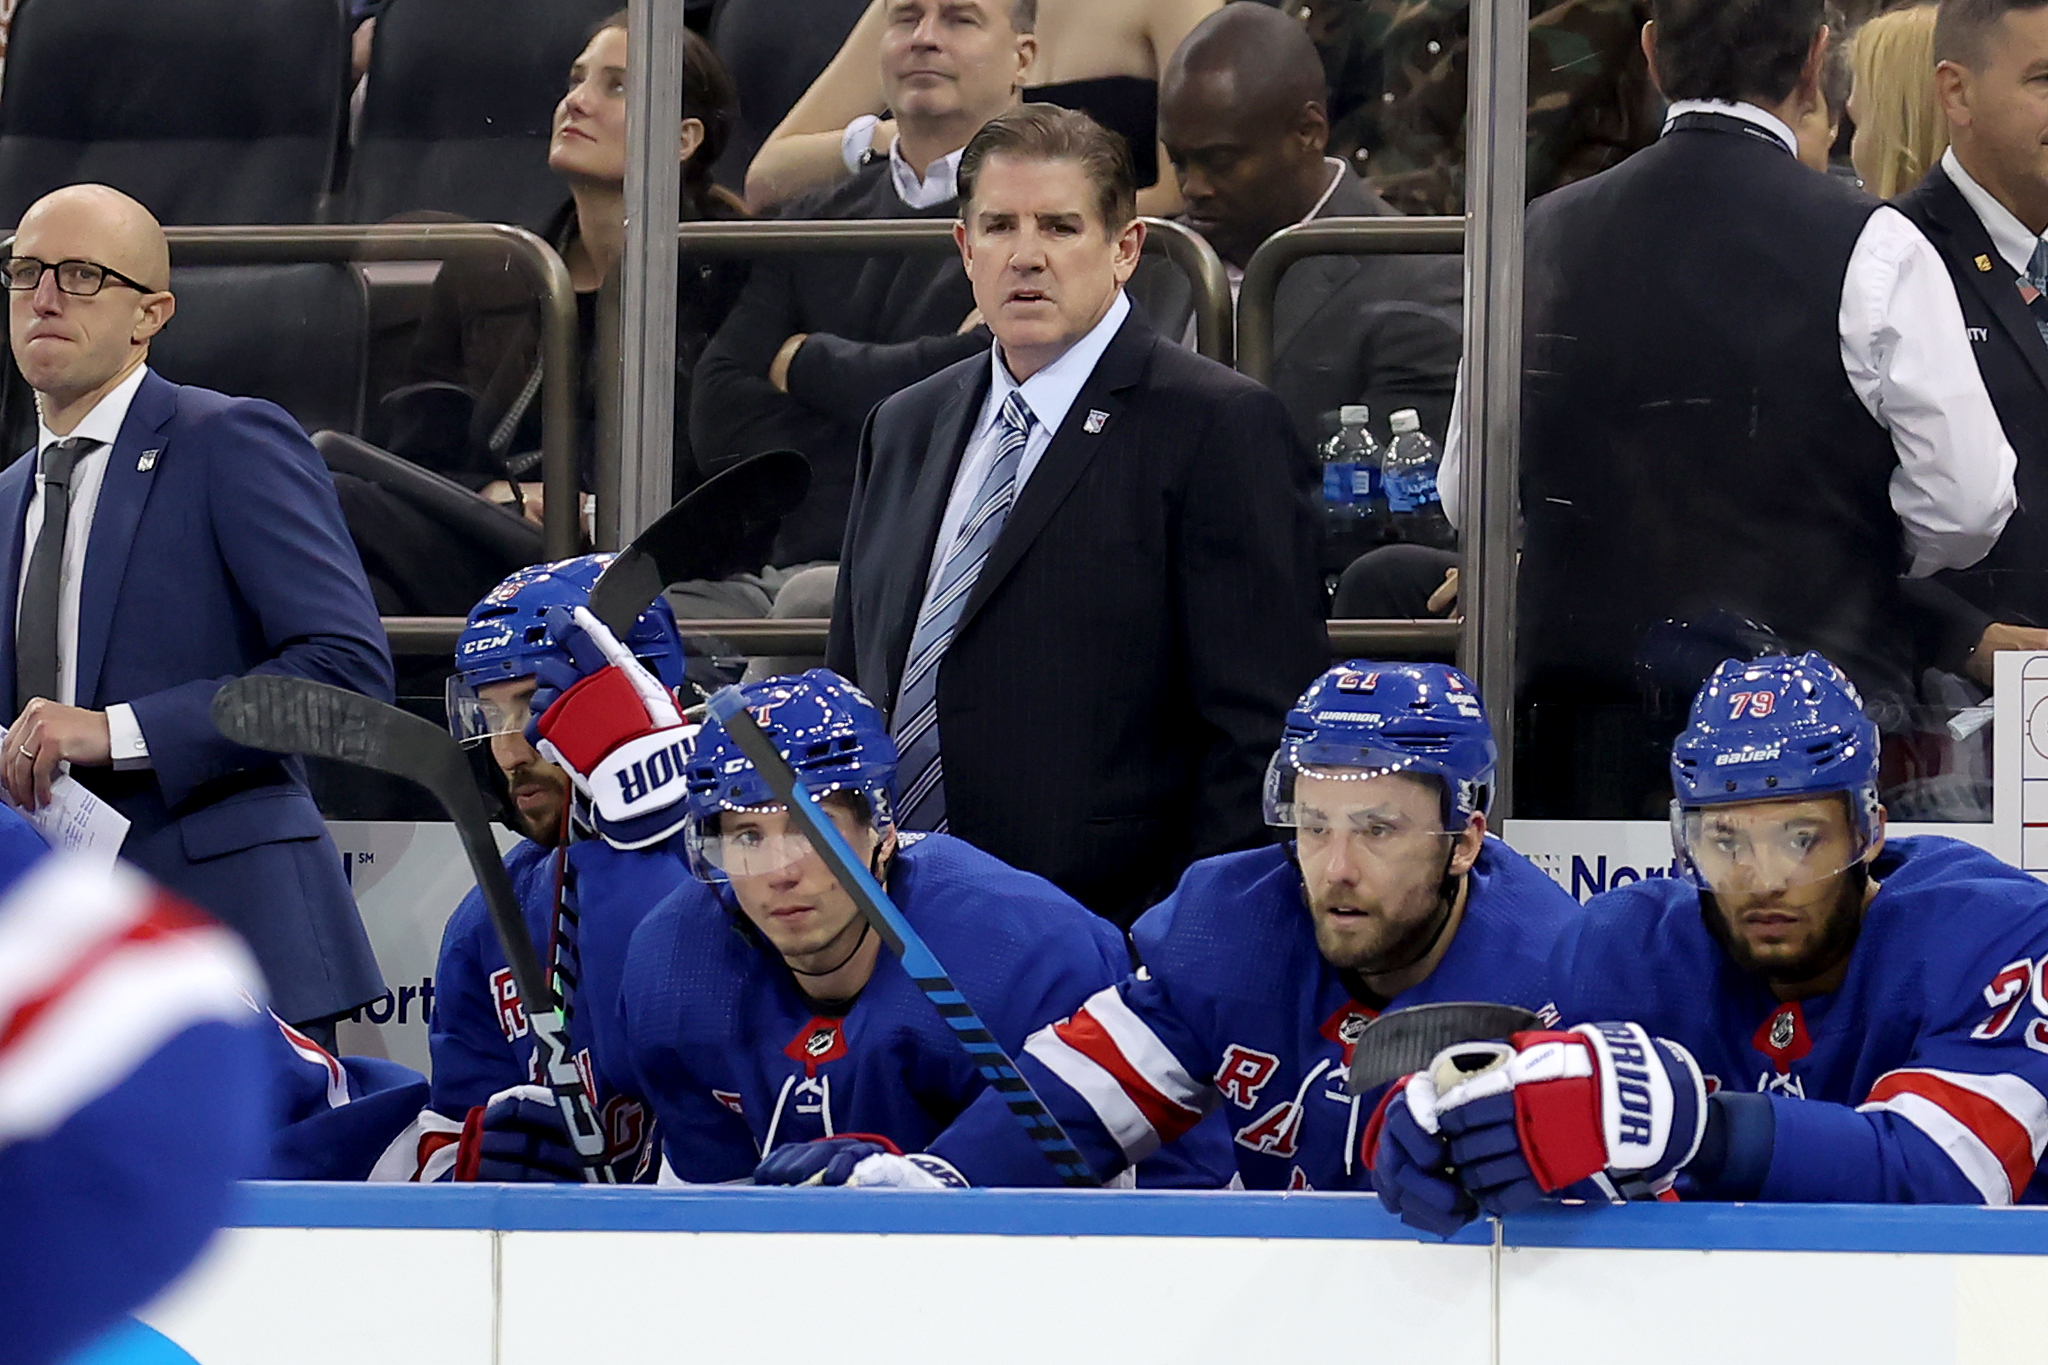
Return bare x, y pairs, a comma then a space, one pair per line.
76, 821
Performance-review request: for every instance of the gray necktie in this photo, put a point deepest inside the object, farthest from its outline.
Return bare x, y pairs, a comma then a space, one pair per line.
35, 624
919, 770
2037, 276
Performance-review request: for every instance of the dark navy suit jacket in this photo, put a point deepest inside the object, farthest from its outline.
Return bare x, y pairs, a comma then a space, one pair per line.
218, 549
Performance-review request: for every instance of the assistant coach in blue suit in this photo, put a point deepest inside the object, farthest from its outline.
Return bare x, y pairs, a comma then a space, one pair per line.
201, 540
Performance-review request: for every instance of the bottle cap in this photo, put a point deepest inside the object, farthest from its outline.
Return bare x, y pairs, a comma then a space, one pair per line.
1354, 414
1405, 421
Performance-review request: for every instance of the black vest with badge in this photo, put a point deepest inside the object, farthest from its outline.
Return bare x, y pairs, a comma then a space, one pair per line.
1691, 446
2011, 583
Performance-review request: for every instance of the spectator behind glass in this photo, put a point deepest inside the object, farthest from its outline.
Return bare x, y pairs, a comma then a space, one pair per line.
1397, 71
1984, 205
1241, 115
474, 412
1798, 422
1819, 125
774, 50
1900, 133
1103, 57
817, 341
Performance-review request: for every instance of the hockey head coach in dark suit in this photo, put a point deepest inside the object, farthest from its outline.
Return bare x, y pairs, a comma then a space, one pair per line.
1985, 207
1080, 571
160, 540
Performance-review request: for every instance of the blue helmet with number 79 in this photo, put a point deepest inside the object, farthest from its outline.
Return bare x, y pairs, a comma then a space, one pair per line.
1775, 728
1364, 720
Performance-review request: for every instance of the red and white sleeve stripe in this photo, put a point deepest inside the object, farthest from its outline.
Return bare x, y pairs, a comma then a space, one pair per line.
98, 969
310, 1051
1133, 1082
424, 1152
1993, 1127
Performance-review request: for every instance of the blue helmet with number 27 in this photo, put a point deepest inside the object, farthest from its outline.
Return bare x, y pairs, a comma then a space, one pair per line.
1364, 720
1770, 729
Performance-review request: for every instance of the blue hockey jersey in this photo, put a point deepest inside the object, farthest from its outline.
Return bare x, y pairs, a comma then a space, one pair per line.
735, 1060
335, 1117
1236, 1009
1924, 1078
132, 1092
479, 1037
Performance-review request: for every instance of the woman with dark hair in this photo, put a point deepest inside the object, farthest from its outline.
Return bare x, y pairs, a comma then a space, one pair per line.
474, 411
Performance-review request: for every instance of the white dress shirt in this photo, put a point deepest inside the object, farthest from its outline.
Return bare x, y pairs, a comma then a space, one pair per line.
1050, 395
1907, 355
940, 181
2014, 242
102, 424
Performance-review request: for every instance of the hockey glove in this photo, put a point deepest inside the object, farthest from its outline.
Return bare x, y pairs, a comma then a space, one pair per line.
1542, 1112
518, 1137
1410, 1164
856, 1159
614, 729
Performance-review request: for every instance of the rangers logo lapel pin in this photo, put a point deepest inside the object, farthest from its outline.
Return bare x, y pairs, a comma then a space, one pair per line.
1096, 418
147, 461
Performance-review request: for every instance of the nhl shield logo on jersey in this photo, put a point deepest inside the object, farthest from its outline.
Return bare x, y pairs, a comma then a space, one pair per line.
815, 1044
1783, 1037
1346, 1026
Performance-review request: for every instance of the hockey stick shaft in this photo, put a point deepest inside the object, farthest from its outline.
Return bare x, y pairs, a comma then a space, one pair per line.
995, 1065
299, 716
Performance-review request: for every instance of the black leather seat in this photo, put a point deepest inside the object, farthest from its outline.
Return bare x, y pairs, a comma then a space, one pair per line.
460, 101
297, 335
208, 111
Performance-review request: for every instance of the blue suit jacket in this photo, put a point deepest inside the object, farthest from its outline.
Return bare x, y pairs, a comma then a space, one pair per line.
218, 549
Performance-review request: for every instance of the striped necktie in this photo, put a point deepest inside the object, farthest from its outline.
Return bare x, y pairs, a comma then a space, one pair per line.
921, 774
2037, 276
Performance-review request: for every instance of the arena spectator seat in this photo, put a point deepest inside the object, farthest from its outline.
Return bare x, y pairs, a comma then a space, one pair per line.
208, 111
460, 97
297, 335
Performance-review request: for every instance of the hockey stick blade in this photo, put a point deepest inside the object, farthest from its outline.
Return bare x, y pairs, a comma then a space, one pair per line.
713, 531
298, 716
1393, 1045
995, 1065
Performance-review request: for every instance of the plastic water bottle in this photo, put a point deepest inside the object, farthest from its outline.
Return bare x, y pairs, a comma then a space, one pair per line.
1368, 488
1414, 504
1341, 505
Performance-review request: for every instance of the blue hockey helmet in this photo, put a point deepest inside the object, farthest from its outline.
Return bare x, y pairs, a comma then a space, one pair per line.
1363, 719
1771, 729
828, 730
507, 637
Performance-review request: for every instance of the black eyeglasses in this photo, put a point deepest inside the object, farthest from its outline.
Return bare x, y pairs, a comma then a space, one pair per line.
82, 279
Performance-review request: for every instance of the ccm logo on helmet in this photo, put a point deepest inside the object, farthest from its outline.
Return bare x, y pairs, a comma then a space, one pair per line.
491, 642
1747, 756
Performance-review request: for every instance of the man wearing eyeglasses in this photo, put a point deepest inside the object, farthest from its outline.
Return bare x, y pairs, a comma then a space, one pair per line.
162, 539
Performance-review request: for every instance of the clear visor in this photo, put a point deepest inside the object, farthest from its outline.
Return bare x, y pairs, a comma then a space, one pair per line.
749, 851
474, 719
759, 841
1336, 817
1753, 848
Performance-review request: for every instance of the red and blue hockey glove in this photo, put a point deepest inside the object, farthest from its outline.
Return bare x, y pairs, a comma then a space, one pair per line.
1410, 1162
615, 730
856, 1159
1545, 1110
518, 1137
